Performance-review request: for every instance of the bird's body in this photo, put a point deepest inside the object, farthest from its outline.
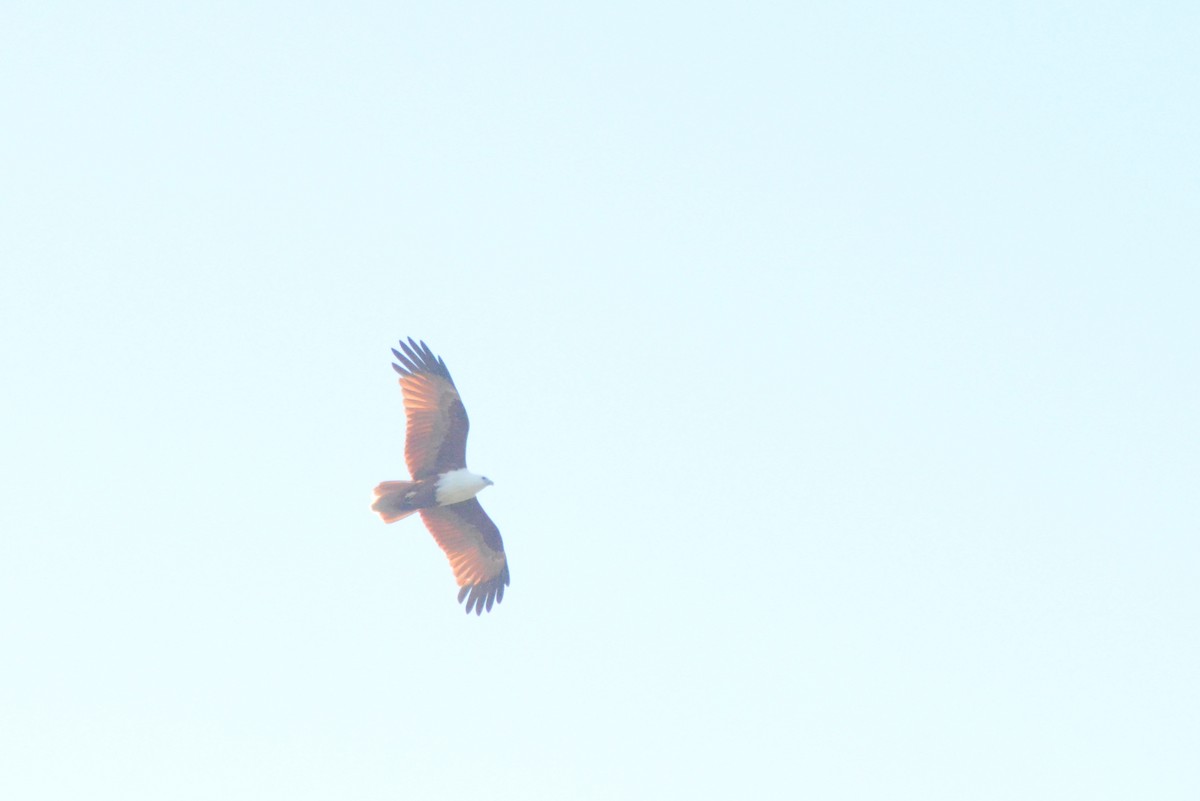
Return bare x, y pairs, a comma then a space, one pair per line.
396, 500
442, 489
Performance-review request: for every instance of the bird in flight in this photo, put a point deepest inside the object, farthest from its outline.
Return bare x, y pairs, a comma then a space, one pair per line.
442, 489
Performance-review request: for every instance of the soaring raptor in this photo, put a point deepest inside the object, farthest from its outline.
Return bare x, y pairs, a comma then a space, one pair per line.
442, 489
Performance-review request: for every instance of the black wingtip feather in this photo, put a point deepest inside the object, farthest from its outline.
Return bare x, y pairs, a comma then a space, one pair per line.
406, 367
485, 594
418, 357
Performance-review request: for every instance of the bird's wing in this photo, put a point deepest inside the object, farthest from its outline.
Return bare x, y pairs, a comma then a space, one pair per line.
437, 421
472, 544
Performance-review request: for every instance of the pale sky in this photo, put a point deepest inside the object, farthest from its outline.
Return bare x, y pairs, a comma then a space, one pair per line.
837, 370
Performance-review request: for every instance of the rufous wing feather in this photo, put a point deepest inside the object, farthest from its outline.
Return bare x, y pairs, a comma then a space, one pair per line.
472, 544
437, 420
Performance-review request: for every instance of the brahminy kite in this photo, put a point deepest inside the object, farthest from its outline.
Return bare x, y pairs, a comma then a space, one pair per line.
442, 489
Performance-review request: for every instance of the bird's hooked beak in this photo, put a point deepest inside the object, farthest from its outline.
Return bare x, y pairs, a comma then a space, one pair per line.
488, 481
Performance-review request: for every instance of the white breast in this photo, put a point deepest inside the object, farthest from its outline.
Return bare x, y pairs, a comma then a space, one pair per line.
458, 486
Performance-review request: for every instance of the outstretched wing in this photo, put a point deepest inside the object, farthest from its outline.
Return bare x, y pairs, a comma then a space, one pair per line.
437, 421
472, 544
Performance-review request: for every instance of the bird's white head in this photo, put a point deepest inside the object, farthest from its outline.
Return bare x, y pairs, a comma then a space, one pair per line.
459, 485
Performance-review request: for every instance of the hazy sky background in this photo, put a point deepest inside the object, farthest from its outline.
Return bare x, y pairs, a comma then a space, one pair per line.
837, 368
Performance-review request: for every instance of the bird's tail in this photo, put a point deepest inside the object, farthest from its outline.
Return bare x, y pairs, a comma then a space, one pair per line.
390, 500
